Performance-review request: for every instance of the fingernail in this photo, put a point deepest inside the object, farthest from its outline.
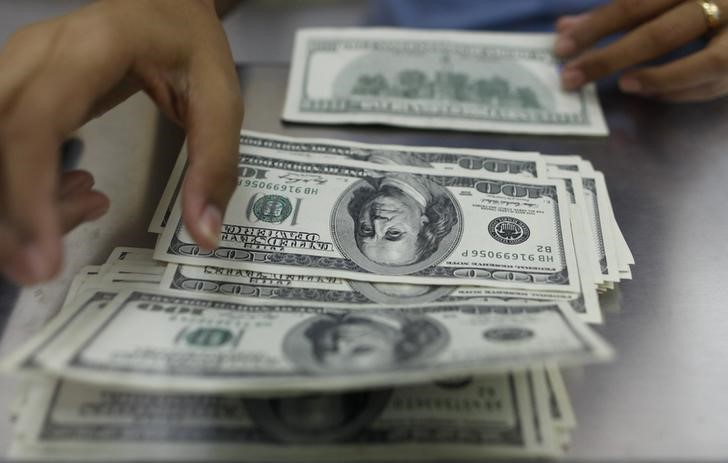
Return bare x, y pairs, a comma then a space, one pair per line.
35, 264
572, 78
211, 223
630, 85
564, 46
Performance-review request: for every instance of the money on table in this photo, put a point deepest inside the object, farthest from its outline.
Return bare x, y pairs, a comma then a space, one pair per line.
388, 223
591, 232
524, 414
246, 284
159, 340
481, 81
507, 415
368, 301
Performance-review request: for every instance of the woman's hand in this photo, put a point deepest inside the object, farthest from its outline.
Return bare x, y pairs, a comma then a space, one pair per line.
56, 75
655, 27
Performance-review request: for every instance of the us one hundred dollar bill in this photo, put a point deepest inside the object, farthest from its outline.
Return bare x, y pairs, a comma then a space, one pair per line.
156, 340
518, 163
510, 415
249, 284
388, 223
498, 82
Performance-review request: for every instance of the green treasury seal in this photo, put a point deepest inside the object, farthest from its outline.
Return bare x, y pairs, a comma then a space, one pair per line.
272, 208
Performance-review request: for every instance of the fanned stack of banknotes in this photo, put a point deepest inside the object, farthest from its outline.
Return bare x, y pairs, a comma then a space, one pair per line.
367, 301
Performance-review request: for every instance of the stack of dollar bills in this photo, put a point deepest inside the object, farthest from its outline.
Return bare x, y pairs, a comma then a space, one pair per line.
518, 413
366, 302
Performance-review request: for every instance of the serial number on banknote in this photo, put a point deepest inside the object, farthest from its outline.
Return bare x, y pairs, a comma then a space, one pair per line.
279, 187
509, 255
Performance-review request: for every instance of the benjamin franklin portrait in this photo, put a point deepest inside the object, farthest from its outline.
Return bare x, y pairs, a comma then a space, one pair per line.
318, 418
364, 342
400, 219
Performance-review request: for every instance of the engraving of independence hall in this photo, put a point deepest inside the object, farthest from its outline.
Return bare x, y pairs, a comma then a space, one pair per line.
475, 81
505, 86
447, 85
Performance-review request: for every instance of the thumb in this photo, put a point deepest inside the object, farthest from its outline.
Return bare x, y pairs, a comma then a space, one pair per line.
213, 120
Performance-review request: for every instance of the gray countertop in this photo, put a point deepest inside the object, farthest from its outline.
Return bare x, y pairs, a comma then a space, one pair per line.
666, 168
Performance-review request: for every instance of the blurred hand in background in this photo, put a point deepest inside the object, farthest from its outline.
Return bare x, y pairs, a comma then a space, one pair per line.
652, 29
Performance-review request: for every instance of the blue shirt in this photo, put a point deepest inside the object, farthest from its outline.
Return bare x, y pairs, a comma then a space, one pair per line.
510, 15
